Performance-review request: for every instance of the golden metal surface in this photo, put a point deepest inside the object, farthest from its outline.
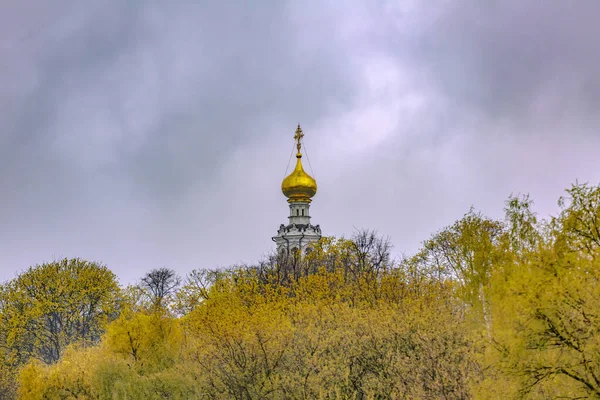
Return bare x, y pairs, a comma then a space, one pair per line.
299, 186
298, 136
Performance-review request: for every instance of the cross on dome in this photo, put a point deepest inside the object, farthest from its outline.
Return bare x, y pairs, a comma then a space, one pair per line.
298, 136
299, 186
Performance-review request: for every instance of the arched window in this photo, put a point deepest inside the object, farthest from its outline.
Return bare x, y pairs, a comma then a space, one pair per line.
303, 212
297, 212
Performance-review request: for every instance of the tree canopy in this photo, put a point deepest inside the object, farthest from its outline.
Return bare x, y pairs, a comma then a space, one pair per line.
486, 309
50, 306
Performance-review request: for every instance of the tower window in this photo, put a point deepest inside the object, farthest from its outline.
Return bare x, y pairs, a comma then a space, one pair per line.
297, 212
303, 212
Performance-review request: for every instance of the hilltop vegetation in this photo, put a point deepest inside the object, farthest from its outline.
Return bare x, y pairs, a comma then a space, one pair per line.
487, 309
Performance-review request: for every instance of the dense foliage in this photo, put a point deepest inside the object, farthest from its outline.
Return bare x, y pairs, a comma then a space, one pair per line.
49, 307
486, 309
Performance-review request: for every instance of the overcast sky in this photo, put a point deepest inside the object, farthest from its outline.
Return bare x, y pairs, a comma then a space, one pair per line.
144, 134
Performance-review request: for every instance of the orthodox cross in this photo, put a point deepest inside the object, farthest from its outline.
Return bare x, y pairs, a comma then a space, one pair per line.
298, 136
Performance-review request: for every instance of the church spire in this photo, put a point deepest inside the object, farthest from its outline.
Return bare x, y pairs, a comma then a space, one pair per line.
299, 188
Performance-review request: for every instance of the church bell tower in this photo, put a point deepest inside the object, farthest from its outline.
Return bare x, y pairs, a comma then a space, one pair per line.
299, 188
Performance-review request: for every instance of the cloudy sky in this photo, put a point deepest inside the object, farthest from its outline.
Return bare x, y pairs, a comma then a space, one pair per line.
144, 134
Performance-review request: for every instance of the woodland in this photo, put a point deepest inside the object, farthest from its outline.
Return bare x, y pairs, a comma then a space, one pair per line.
488, 308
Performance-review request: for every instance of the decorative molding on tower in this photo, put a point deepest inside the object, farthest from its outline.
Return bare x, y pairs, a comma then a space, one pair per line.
299, 188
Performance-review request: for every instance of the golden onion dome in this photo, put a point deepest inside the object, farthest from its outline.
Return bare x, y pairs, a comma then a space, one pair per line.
299, 186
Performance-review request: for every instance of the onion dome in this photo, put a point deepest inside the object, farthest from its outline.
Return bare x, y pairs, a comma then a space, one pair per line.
299, 186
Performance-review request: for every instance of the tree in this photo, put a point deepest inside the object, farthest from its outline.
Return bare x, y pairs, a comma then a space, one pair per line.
580, 217
371, 253
161, 284
524, 233
320, 336
344, 321
365, 254
195, 289
53, 305
466, 252
546, 327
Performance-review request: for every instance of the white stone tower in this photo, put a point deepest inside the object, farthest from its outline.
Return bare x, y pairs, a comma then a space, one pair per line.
299, 188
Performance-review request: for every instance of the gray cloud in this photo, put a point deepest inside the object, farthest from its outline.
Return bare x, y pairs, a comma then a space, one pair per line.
509, 95
149, 133
162, 91
515, 60
136, 106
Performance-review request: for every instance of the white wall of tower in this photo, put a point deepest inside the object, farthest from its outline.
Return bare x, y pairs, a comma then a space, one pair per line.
298, 233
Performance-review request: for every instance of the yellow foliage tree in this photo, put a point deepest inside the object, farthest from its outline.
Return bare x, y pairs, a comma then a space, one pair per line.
487, 309
547, 329
50, 306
